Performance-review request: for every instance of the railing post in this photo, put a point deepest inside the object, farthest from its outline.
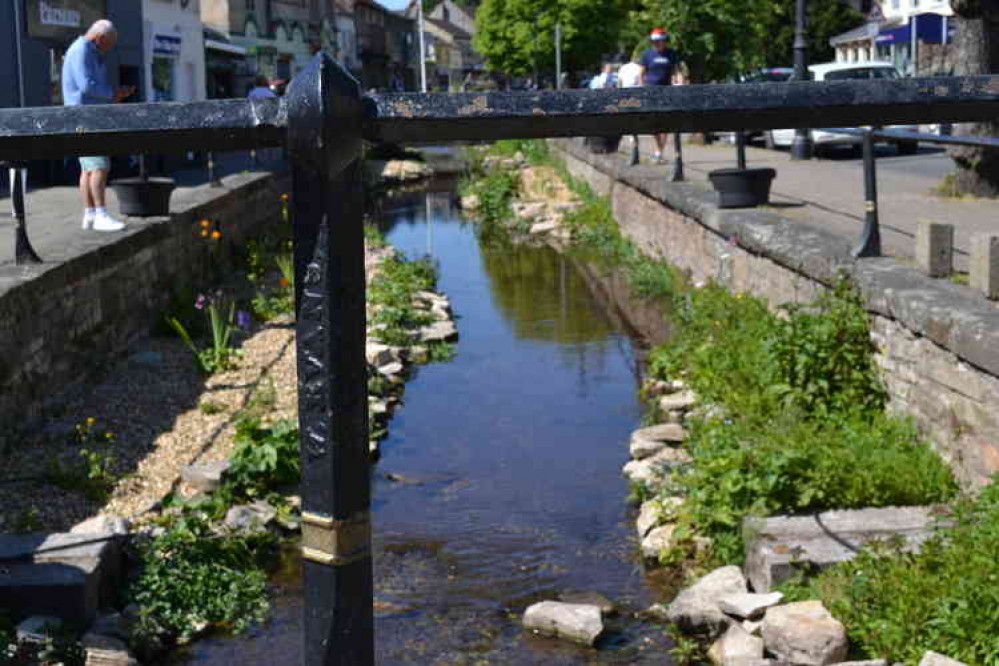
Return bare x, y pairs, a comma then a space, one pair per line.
213, 180
635, 151
740, 150
23, 252
870, 241
677, 175
324, 140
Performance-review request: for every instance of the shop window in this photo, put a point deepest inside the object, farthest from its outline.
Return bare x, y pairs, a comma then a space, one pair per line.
163, 79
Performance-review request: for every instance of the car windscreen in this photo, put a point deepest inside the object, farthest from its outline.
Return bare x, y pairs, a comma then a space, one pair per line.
863, 73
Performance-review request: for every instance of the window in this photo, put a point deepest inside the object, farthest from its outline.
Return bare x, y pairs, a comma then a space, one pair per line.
862, 73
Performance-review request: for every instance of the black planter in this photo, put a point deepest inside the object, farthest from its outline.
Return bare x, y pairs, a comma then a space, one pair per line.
742, 188
140, 197
602, 144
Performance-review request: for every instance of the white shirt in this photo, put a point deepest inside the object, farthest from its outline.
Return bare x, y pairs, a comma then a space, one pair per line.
629, 75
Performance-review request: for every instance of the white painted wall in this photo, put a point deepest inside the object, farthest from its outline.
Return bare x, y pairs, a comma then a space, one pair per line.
903, 9
168, 18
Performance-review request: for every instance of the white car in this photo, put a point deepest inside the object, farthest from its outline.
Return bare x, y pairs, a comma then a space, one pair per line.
840, 71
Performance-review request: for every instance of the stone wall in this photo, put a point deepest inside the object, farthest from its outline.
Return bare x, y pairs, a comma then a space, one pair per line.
64, 321
938, 343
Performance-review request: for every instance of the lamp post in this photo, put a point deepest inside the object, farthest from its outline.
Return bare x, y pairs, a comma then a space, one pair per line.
423, 46
801, 148
558, 55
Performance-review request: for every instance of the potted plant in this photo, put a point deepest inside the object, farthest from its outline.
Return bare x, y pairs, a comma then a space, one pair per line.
143, 196
741, 187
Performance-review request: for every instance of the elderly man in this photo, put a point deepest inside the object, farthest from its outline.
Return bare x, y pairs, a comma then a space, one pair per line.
84, 81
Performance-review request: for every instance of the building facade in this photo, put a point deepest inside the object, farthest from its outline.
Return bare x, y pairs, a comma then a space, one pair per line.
370, 21
174, 50
403, 52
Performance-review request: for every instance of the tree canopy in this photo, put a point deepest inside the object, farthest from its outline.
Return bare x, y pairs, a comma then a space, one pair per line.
514, 36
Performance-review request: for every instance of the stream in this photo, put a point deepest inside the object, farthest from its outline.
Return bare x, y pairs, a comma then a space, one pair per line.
506, 467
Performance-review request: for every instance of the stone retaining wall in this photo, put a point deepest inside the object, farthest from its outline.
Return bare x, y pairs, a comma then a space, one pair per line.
938, 342
65, 320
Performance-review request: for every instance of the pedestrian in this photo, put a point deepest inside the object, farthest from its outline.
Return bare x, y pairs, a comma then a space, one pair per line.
630, 76
84, 82
605, 79
659, 64
261, 89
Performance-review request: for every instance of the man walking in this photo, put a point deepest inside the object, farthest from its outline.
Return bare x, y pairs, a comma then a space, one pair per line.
658, 66
84, 81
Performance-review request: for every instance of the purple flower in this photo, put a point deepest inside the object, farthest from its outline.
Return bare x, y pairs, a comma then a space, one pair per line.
200, 303
243, 319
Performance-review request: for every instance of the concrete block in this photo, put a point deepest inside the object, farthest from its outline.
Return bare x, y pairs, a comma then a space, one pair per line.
985, 264
776, 546
935, 248
63, 575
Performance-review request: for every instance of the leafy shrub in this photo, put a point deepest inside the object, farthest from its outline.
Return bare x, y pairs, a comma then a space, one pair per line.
897, 605
194, 579
391, 292
266, 457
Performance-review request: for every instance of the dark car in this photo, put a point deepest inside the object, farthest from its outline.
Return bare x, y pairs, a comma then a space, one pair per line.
765, 75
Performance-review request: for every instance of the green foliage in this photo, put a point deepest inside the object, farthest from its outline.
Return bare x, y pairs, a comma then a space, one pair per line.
825, 20
514, 36
821, 357
686, 651
897, 605
373, 238
94, 474
266, 457
218, 356
208, 408
441, 352
194, 579
391, 295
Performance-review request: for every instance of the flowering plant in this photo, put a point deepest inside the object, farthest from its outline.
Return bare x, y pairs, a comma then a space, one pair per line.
219, 356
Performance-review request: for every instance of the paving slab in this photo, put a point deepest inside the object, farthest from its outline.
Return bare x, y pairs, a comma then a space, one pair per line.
777, 546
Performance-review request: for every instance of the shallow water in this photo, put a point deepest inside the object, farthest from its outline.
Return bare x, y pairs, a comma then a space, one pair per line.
510, 464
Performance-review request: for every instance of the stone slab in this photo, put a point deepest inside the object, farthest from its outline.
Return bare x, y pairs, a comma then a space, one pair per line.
985, 264
777, 546
935, 248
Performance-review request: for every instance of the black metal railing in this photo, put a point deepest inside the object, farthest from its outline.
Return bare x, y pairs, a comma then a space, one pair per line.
322, 122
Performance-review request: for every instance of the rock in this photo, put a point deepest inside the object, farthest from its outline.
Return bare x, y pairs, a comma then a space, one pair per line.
576, 622
656, 541
644, 448
650, 471
605, 605
735, 646
696, 610
749, 606
393, 368
112, 624
648, 517
543, 228
873, 662
206, 477
528, 211
102, 524
402, 170
471, 202
38, 628
776, 546
669, 433
752, 627
681, 401
379, 354
251, 517
107, 651
931, 658
441, 331
804, 633
419, 354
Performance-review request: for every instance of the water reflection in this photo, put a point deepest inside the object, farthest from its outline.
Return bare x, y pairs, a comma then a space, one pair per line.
506, 468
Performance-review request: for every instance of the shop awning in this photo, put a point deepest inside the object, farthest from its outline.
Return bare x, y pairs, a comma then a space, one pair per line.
224, 47
929, 30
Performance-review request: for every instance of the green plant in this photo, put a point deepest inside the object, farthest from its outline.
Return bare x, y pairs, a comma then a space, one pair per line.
208, 408
28, 520
219, 356
897, 604
94, 476
193, 579
266, 457
373, 238
441, 352
390, 294
686, 651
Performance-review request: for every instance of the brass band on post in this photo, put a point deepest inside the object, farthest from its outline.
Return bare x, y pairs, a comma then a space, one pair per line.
870, 206
332, 542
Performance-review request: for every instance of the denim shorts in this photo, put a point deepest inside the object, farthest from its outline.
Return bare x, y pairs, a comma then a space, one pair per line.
95, 163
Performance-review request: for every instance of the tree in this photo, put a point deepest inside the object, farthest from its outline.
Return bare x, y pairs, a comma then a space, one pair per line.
515, 36
976, 45
825, 20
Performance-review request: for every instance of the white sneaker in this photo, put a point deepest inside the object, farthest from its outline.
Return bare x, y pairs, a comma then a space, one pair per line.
88, 222
657, 157
106, 223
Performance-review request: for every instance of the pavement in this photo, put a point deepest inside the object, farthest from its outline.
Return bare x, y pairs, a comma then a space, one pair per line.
54, 213
829, 192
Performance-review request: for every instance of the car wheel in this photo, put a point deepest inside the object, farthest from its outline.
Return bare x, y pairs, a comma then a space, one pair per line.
907, 147
768, 141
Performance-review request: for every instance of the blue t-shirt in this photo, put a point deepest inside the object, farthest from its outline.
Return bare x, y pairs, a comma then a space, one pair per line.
659, 66
84, 78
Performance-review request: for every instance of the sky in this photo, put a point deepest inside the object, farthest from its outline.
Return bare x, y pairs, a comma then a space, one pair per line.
394, 5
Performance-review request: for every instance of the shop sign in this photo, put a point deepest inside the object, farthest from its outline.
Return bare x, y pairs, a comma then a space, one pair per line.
62, 20
166, 45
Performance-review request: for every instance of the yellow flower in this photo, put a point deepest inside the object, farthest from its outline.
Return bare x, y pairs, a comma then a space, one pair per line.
216, 234
204, 233
284, 196
205, 224
109, 435
91, 420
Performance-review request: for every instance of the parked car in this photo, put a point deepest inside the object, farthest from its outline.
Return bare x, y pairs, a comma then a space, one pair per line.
764, 75
842, 71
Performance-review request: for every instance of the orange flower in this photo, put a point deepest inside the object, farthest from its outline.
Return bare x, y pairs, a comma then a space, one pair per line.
284, 196
283, 281
216, 234
204, 233
205, 224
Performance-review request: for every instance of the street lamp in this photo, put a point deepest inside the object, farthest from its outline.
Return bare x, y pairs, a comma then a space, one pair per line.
801, 148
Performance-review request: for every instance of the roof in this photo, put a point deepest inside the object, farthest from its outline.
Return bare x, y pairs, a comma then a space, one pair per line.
448, 27
867, 31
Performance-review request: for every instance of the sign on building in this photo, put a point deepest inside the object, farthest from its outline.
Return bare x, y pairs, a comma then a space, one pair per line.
62, 20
